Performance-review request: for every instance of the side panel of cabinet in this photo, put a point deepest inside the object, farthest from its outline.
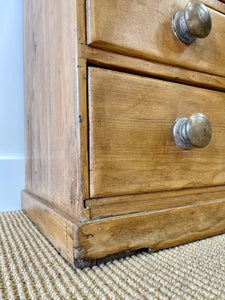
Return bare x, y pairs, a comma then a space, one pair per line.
55, 103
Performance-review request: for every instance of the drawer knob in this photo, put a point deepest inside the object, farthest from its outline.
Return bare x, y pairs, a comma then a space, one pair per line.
193, 22
193, 131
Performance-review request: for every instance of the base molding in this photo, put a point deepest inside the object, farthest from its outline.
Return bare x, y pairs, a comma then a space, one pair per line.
90, 242
127, 204
58, 229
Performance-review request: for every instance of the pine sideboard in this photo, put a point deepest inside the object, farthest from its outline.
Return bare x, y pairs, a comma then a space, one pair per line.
124, 124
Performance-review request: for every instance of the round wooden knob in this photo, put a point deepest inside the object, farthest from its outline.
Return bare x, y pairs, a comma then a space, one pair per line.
193, 22
193, 131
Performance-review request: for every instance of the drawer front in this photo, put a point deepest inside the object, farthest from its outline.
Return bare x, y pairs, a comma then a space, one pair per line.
131, 142
144, 29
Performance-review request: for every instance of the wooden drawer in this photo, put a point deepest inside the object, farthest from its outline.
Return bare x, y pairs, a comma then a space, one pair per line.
131, 143
144, 29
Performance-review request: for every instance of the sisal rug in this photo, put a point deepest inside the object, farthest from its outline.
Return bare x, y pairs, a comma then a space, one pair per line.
30, 268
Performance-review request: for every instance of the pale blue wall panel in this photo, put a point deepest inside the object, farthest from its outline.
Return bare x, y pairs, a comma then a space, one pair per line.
11, 104
12, 181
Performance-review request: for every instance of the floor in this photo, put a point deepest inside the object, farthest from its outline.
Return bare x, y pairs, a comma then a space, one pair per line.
30, 268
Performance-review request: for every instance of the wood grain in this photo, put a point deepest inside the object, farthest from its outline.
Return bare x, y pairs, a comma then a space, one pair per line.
55, 118
91, 240
110, 60
58, 229
143, 29
120, 205
131, 145
215, 4
155, 230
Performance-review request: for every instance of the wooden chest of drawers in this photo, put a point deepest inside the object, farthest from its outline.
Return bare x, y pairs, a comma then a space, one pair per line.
105, 82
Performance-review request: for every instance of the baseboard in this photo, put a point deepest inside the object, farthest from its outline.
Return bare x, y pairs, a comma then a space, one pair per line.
59, 229
86, 243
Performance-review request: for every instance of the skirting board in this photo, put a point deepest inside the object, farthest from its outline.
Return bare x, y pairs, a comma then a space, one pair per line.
94, 241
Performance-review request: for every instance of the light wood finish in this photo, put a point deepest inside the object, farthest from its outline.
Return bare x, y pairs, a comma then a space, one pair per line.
143, 29
145, 67
215, 4
118, 140
57, 228
55, 118
119, 205
155, 230
83, 241
131, 145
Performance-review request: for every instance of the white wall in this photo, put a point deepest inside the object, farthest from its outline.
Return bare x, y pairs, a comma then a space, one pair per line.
11, 104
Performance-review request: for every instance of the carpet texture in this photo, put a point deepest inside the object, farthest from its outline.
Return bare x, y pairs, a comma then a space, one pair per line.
30, 268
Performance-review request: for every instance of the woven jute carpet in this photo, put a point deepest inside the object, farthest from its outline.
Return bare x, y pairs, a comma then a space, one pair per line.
30, 268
